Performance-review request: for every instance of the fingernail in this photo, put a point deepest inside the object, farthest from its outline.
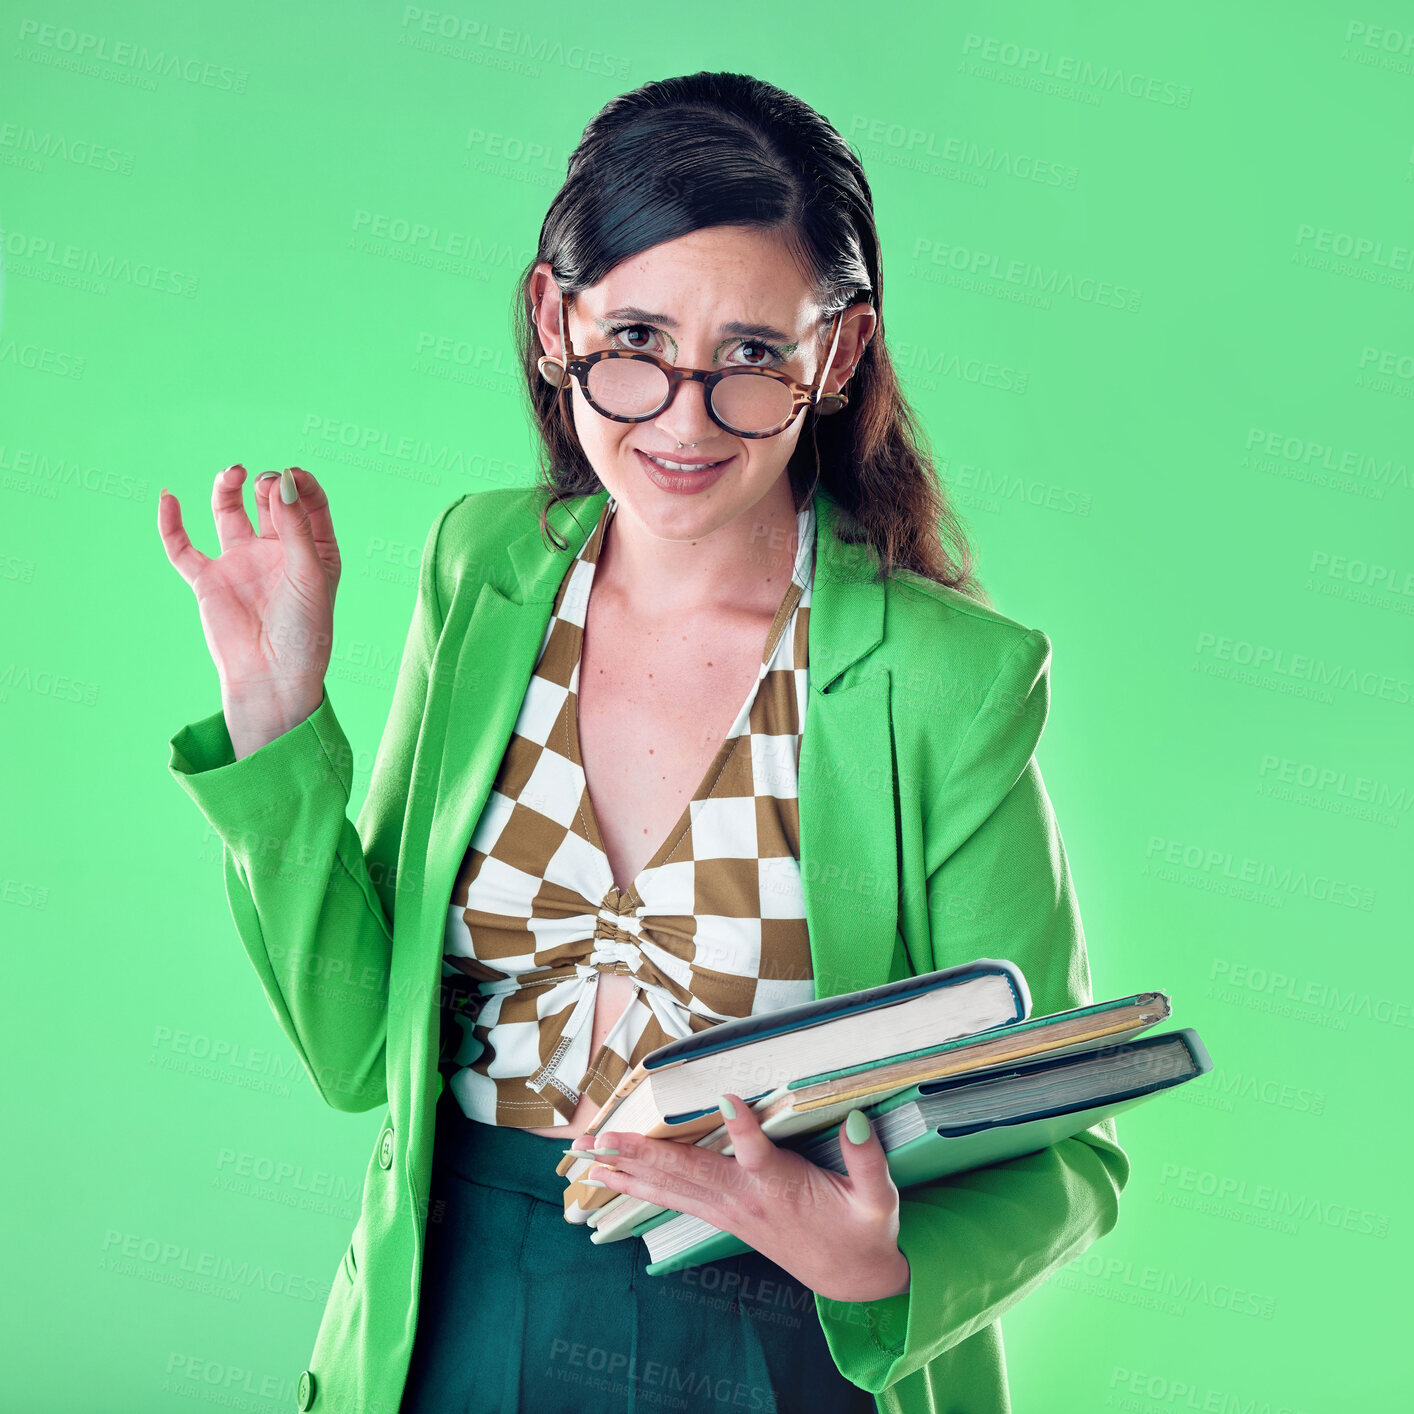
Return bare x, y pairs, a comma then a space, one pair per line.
289, 492
593, 1183
164, 492
727, 1108
235, 466
266, 475
856, 1127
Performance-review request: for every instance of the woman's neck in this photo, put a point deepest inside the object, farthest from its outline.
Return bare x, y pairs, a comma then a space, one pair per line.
742, 566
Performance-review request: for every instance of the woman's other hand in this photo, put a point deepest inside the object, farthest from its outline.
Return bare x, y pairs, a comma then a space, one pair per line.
834, 1233
266, 601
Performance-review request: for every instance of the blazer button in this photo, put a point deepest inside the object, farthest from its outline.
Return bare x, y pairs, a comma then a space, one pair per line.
385, 1150
304, 1392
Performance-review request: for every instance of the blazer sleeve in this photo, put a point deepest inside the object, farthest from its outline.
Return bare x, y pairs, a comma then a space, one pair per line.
998, 886
313, 897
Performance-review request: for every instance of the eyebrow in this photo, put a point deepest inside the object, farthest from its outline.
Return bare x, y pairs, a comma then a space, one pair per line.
748, 331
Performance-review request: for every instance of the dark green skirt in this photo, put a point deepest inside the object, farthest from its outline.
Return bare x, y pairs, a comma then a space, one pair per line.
519, 1310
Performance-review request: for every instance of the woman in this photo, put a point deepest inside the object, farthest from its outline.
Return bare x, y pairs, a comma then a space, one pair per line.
712, 722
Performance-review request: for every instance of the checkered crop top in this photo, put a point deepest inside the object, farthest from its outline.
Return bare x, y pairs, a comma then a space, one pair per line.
713, 927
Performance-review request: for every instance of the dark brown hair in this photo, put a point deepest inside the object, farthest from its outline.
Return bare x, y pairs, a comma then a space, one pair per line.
713, 149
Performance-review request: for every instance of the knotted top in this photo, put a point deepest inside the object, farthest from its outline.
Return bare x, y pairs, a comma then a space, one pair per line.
713, 927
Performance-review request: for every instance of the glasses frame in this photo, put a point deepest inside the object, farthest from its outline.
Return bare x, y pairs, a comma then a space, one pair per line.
803, 394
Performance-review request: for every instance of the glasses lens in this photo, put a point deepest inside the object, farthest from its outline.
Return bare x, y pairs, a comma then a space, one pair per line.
630, 387
633, 387
751, 402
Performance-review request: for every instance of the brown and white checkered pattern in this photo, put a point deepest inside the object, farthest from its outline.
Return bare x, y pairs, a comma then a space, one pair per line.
712, 928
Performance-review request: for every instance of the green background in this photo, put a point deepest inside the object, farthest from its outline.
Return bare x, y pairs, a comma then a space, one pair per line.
1148, 282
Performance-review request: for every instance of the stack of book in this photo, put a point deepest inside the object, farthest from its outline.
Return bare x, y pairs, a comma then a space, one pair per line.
950, 1067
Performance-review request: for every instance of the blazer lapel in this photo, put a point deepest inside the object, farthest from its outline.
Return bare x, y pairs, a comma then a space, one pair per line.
481, 670
848, 831
479, 673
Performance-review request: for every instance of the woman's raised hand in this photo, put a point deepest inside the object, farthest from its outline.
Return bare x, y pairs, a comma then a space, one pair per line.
266, 601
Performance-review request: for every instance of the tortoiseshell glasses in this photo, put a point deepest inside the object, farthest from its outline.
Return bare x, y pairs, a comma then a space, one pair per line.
629, 386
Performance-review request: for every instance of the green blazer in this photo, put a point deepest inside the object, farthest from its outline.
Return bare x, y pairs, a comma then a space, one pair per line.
927, 839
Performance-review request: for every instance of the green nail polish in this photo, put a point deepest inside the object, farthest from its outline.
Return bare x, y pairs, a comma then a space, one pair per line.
266, 475
289, 492
856, 1127
727, 1108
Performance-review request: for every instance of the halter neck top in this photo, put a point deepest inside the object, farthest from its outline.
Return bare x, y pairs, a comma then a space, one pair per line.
713, 927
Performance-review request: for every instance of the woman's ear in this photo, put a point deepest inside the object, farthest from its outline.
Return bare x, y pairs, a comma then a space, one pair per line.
544, 295
857, 325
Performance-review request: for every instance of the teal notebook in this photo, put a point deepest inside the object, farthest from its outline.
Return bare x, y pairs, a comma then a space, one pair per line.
988, 1118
